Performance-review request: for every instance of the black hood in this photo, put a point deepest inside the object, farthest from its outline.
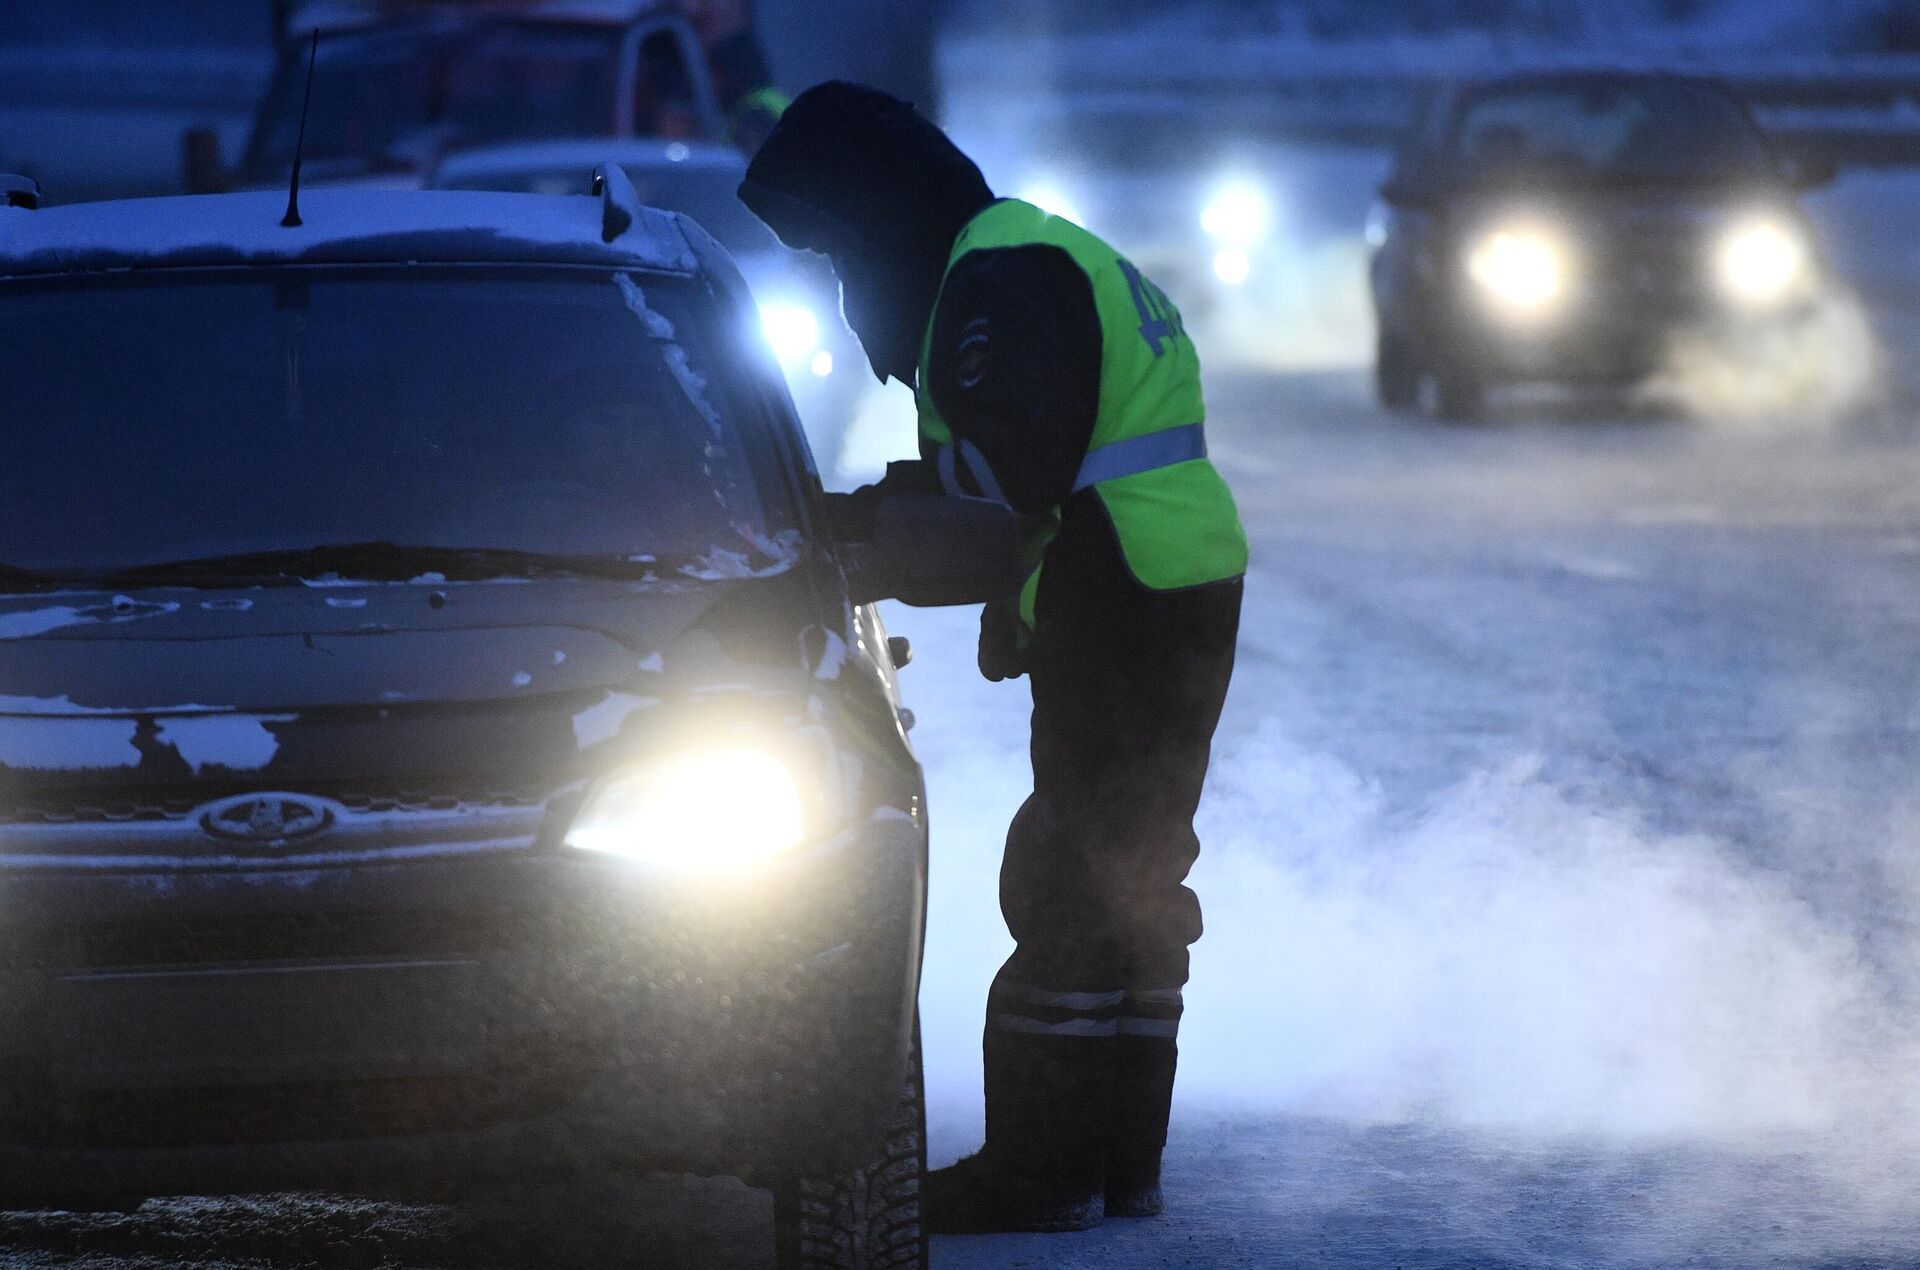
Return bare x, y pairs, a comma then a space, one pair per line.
867, 179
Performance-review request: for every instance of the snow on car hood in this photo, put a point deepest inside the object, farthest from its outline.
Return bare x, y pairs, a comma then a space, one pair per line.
187, 652
501, 682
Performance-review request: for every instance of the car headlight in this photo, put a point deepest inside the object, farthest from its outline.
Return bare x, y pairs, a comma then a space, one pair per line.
1524, 270
792, 329
721, 809
1239, 214
1232, 266
1763, 261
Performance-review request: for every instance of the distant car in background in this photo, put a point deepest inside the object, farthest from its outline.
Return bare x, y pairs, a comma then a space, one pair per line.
1566, 227
397, 86
798, 297
1202, 216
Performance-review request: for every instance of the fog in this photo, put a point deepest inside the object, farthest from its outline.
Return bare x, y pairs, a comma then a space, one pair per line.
1542, 969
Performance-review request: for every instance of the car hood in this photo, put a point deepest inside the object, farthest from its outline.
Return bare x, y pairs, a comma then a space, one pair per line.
490, 684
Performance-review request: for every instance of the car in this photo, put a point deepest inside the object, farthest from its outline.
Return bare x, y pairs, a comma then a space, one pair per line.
798, 294
1202, 216
439, 743
1567, 226
395, 86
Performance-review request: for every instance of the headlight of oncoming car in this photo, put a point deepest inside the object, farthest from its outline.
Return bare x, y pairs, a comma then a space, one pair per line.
1763, 261
1238, 217
715, 808
1523, 269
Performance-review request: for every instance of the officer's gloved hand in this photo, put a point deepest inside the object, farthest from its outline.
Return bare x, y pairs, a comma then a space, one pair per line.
851, 517
1001, 656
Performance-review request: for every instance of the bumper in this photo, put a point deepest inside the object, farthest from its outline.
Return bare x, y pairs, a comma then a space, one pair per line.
404, 1028
1608, 343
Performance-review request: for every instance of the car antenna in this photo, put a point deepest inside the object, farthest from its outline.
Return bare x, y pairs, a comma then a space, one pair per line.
292, 219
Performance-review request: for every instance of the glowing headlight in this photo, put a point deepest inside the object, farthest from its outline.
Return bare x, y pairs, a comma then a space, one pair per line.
1522, 270
1232, 266
1763, 261
709, 811
792, 329
1240, 214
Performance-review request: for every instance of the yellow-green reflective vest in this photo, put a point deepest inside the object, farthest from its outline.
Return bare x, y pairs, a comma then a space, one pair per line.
1174, 515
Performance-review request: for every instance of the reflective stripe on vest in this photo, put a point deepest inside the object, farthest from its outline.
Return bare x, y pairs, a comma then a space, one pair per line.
1136, 455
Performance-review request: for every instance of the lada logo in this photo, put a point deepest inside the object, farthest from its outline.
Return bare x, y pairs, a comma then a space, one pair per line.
265, 820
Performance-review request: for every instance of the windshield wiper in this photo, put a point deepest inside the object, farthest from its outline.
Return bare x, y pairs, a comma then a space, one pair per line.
373, 562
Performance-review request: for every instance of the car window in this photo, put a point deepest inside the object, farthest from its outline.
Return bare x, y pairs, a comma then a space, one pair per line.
1607, 129
665, 101
397, 97
567, 412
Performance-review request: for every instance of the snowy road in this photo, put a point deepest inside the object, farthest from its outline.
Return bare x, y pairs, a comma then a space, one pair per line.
1561, 862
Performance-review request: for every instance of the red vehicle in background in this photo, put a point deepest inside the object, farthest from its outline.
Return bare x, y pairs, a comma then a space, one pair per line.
399, 86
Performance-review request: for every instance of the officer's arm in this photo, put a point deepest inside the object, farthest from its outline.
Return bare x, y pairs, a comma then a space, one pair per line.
853, 515
1015, 368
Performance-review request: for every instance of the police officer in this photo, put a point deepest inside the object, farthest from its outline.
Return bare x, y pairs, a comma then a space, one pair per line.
1053, 376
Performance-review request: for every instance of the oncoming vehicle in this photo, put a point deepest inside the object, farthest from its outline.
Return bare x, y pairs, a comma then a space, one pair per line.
397, 86
437, 745
798, 296
1565, 227
1204, 218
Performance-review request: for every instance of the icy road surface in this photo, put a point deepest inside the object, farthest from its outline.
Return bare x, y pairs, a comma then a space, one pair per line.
1560, 862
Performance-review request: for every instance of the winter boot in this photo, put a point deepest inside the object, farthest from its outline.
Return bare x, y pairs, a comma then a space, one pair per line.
1143, 1098
982, 1195
1043, 1167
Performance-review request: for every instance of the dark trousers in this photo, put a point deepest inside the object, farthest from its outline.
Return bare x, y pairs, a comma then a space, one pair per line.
1082, 1020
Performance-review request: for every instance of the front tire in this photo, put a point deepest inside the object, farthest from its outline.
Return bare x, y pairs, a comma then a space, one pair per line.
1460, 393
1396, 375
867, 1218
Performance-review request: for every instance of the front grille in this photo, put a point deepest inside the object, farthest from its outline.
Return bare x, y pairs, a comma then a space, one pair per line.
326, 829
174, 807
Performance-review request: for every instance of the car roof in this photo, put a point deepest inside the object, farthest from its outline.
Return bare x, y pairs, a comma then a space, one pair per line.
342, 226
649, 154
338, 15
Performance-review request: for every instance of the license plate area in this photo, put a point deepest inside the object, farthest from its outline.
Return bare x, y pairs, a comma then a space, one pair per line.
267, 1025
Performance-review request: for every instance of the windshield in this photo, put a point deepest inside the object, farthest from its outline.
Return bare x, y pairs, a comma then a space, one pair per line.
572, 413
397, 97
1609, 129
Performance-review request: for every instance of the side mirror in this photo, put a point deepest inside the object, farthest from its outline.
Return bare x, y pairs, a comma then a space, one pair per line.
1809, 170
931, 551
201, 171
